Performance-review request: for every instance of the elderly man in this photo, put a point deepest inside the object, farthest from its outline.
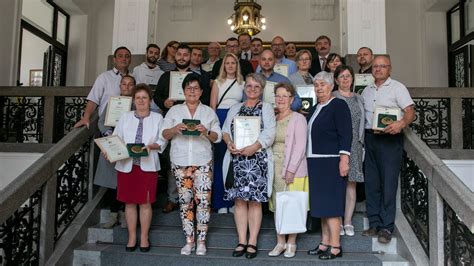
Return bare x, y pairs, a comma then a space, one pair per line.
365, 56
214, 51
323, 47
244, 44
383, 149
232, 46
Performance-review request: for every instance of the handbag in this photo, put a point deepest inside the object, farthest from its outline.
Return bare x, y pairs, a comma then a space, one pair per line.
291, 212
229, 179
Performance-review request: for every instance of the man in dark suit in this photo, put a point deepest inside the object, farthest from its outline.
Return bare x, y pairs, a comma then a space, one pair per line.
323, 47
232, 46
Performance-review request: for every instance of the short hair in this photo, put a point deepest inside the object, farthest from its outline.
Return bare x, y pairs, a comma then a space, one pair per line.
191, 77
364, 47
232, 39
121, 48
259, 78
288, 43
152, 45
324, 76
323, 37
302, 52
287, 86
256, 39
130, 77
164, 53
141, 87
196, 48
341, 69
387, 56
184, 46
245, 34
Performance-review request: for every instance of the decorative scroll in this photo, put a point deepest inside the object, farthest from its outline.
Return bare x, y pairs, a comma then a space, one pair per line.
468, 123
72, 188
21, 119
432, 122
68, 111
458, 239
19, 235
414, 200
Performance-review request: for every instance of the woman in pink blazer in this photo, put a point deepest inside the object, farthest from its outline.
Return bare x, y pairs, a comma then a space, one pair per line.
289, 153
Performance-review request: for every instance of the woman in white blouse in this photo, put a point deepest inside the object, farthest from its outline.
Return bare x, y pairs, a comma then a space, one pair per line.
191, 160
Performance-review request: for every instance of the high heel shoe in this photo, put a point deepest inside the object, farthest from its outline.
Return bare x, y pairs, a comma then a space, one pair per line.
317, 250
277, 250
328, 255
130, 249
290, 251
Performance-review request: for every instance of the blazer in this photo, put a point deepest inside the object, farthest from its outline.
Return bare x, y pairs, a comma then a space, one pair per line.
360, 103
295, 147
315, 66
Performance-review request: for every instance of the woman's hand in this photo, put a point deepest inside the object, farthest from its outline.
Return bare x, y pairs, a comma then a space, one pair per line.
343, 165
232, 149
105, 155
289, 177
250, 150
152, 146
178, 129
202, 129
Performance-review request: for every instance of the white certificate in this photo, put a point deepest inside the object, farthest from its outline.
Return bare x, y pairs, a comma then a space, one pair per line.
363, 80
115, 108
306, 91
207, 67
269, 92
114, 147
384, 116
282, 69
246, 130
176, 83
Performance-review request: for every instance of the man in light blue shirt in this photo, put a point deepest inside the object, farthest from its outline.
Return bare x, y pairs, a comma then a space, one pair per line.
278, 49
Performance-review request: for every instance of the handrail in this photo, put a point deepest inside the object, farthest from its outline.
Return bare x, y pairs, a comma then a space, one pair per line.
44, 91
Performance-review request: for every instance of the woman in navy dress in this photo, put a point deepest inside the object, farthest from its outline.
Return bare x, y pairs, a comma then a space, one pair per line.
329, 145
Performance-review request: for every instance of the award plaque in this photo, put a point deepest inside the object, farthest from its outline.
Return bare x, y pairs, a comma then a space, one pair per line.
269, 92
136, 150
191, 127
115, 108
361, 81
246, 130
176, 82
384, 117
282, 69
307, 95
113, 147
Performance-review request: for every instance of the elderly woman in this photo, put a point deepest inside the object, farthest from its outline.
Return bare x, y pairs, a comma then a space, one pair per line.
289, 158
191, 160
303, 62
344, 76
329, 145
137, 177
333, 61
227, 90
251, 166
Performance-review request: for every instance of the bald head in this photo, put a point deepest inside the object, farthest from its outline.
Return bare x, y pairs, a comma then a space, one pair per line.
278, 47
267, 61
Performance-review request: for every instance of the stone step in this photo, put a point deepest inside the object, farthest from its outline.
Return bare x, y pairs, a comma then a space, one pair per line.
112, 254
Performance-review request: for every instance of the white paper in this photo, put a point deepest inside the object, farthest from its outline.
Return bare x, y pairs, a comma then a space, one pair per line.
116, 107
246, 130
269, 92
282, 69
176, 82
114, 147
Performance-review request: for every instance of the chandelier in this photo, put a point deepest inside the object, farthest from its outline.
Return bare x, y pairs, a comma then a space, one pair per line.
246, 18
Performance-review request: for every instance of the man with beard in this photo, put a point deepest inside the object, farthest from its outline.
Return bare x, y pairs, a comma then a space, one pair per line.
149, 72
232, 46
195, 64
323, 47
365, 56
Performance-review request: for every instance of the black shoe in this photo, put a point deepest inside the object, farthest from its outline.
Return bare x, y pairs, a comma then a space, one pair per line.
130, 249
384, 236
317, 250
239, 253
328, 255
370, 232
251, 255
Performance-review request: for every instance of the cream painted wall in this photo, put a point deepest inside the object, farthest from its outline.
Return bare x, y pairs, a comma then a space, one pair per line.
10, 17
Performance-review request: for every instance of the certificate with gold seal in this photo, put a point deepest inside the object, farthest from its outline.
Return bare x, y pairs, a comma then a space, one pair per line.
191, 127
115, 108
176, 82
136, 150
246, 130
269, 92
384, 116
113, 147
307, 95
282, 69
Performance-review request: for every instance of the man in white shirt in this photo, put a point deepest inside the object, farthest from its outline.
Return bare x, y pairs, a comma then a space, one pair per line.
214, 51
107, 84
244, 45
196, 60
323, 47
148, 72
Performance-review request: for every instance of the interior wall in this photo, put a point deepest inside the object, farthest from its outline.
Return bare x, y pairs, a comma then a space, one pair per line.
32, 55
10, 17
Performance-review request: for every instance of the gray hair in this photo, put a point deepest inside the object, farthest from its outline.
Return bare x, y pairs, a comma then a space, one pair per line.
259, 78
324, 76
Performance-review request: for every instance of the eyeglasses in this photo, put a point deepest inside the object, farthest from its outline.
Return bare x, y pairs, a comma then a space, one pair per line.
192, 88
381, 66
304, 59
344, 76
283, 96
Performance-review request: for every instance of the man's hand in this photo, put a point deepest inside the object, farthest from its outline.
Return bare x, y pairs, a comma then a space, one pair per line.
83, 122
395, 127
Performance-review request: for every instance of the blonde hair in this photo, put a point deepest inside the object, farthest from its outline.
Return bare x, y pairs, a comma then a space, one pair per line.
223, 74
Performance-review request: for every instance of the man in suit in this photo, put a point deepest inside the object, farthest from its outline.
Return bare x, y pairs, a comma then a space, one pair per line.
323, 47
232, 46
244, 44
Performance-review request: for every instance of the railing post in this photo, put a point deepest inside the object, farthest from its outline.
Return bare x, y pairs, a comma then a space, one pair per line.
436, 224
456, 123
48, 125
91, 168
48, 220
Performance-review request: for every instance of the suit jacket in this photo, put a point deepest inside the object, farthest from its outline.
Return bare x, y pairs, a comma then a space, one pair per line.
315, 66
245, 68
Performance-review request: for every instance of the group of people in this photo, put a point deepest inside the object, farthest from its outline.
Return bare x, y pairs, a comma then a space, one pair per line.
320, 150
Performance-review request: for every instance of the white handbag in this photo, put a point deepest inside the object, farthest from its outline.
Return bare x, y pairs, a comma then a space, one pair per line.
291, 212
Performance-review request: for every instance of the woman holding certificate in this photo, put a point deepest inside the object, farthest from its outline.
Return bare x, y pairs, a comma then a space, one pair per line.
138, 176
192, 127
344, 76
227, 90
249, 131
289, 153
328, 151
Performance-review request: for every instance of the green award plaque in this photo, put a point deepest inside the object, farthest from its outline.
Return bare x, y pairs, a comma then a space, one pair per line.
135, 150
191, 127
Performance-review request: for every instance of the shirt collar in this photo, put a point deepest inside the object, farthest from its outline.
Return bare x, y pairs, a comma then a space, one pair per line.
117, 72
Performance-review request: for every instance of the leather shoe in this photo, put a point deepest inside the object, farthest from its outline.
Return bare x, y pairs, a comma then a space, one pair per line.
328, 255
130, 249
239, 253
370, 232
317, 250
169, 207
251, 255
384, 236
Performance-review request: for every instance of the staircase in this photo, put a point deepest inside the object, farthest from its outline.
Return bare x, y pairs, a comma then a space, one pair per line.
107, 246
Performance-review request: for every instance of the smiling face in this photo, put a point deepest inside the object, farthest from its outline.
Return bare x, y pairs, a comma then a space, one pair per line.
192, 92
182, 58
364, 57
126, 86
253, 89
344, 80
267, 61
172, 49
213, 49
381, 68
283, 99
303, 62
290, 50
122, 59
323, 46
334, 63
278, 47
244, 42
323, 90
232, 47
142, 100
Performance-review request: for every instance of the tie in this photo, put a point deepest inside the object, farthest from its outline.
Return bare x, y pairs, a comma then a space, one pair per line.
307, 79
323, 63
246, 56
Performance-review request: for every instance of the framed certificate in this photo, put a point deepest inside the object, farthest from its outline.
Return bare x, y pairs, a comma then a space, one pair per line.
282, 69
269, 92
307, 95
114, 147
176, 82
361, 81
115, 108
246, 130
385, 116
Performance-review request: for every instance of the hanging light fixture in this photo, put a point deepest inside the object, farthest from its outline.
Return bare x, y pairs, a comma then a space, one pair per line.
247, 18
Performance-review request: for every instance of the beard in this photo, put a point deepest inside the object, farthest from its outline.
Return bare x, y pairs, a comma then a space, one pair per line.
151, 60
182, 66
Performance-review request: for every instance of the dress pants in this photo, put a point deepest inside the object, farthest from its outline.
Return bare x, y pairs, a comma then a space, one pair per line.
383, 158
